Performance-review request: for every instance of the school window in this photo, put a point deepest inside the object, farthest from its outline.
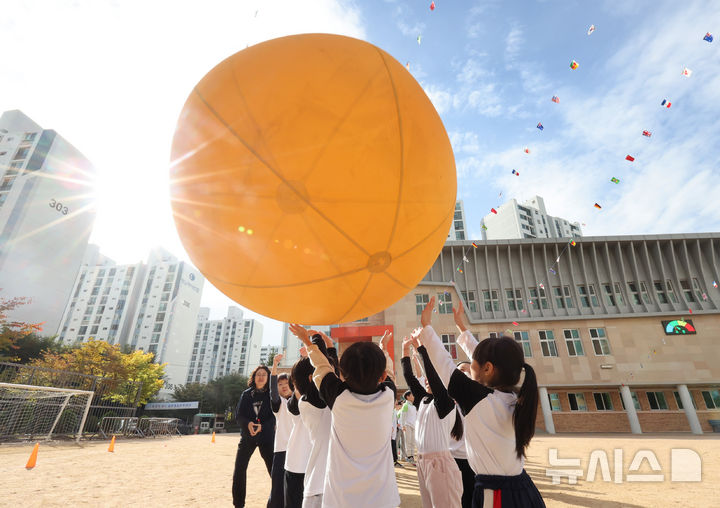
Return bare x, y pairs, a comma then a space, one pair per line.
492, 335
547, 343
470, 299
448, 340
588, 296
685, 286
577, 402
660, 292
634, 397
634, 293
603, 401
562, 297
644, 291
554, 401
444, 303
657, 400
573, 342
679, 401
698, 292
539, 298
712, 398
609, 296
670, 291
490, 299
523, 338
514, 299
600, 343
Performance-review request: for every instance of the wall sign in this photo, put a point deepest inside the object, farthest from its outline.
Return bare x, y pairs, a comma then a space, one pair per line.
679, 327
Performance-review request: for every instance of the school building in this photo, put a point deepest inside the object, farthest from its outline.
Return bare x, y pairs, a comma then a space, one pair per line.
623, 332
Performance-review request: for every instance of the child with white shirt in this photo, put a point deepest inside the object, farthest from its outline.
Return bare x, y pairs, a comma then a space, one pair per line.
439, 478
408, 417
360, 469
299, 444
498, 422
280, 392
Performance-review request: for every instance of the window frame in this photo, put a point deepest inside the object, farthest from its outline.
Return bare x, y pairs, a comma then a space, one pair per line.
549, 342
600, 340
574, 341
577, 405
605, 402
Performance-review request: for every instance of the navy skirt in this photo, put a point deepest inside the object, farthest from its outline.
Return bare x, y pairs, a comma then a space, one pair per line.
513, 491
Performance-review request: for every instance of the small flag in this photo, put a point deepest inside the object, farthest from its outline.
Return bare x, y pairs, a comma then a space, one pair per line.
598, 206
516, 173
614, 180
484, 227
474, 244
715, 284
591, 29
542, 286
666, 103
515, 323
432, 5
419, 39
407, 66
540, 126
527, 150
555, 99
557, 260
708, 37
690, 311
466, 259
647, 134
459, 270
574, 65
704, 295
687, 72
572, 242
493, 211
553, 271
629, 158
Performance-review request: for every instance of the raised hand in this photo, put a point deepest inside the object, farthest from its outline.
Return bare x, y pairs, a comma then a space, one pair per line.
406, 343
328, 341
459, 314
301, 333
385, 339
426, 316
415, 337
303, 353
278, 358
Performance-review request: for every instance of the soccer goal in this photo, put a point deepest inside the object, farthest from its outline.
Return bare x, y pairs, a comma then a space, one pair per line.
32, 412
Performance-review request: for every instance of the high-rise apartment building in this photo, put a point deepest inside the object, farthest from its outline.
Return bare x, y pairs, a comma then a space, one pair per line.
224, 346
458, 231
46, 216
527, 220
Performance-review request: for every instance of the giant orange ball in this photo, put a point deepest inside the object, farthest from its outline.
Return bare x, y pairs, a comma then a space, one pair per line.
312, 180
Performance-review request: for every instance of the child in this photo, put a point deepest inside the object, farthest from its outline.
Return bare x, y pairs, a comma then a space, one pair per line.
299, 444
400, 441
280, 391
408, 417
360, 467
459, 452
438, 476
498, 423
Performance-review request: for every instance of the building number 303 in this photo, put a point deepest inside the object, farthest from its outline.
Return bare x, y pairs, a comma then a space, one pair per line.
59, 207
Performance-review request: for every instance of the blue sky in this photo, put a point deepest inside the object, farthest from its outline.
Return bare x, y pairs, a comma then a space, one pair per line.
112, 75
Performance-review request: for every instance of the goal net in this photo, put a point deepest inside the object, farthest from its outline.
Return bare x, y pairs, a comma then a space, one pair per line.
32, 412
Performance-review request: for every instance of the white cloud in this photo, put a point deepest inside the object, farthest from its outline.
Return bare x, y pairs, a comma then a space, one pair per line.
442, 98
513, 41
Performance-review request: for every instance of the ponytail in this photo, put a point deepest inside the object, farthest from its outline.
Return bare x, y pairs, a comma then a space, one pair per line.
525, 411
457, 431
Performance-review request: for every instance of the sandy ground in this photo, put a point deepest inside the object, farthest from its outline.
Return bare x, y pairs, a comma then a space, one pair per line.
191, 471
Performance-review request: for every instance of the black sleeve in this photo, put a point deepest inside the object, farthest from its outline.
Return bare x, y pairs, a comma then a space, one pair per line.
389, 383
274, 395
330, 388
465, 391
332, 353
443, 403
293, 405
243, 410
415, 387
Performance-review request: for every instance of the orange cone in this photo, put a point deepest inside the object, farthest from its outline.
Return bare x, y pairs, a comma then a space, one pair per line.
33, 457
213, 438
111, 448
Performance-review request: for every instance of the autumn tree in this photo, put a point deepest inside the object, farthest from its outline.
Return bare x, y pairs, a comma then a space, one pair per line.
218, 396
12, 331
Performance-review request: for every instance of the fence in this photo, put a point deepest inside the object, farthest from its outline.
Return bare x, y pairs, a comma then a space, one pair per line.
113, 398
138, 427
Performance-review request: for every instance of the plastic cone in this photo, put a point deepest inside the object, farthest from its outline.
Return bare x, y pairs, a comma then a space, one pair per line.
213, 438
111, 448
33, 457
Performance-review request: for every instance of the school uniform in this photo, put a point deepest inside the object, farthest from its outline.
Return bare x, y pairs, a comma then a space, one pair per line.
501, 480
296, 457
283, 427
316, 416
408, 417
360, 468
459, 453
439, 478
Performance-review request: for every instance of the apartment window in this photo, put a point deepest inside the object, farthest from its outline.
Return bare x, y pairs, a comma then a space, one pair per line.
587, 296
155, 338
93, 330
97, 319
685, 286
101, 309
603, 402
103, 300
444, 303
490, 299
698, 292
165, 297
106, 291
538, 296
514, 299
158, 327
554, 402
29, 136
21, 153
573, 342
470, 300
657, 400
95, 291
152, 348
660, 292
524, 339
458, 215
600, 343
547, 343
577, 402
460, 235
448, 340
712, 398
670, 291
679, 401
160, 316
82, 330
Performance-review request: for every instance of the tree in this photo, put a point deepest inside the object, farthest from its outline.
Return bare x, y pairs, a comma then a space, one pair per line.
272, 351
32, 346
98, 358
12, 331
217, 396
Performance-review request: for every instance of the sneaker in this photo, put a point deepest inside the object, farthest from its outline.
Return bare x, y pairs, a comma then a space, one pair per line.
397, 464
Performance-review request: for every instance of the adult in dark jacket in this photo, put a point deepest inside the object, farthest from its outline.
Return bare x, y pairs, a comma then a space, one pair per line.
257, 423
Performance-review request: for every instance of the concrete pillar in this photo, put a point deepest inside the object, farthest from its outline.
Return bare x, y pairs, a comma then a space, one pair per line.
547, 410
630, 409
689, 409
